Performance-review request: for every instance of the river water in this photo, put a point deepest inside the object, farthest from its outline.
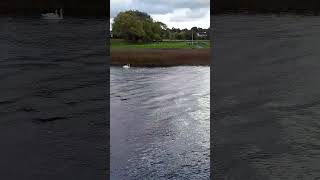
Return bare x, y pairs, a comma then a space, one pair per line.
267, 97
53, 100
160, 124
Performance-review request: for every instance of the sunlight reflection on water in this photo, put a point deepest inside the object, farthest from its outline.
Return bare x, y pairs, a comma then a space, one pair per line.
160, 125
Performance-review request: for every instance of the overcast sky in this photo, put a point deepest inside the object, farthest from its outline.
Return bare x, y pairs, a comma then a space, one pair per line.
175, 13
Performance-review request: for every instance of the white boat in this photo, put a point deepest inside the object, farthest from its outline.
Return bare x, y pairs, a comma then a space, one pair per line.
55, 15
127, 66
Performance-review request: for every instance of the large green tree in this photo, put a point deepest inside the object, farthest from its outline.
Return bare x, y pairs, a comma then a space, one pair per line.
137, 26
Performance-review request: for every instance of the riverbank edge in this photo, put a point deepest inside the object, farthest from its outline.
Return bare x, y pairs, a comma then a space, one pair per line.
160, 57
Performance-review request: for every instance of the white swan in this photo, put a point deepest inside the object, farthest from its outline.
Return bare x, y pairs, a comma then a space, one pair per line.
53, 15
127, 66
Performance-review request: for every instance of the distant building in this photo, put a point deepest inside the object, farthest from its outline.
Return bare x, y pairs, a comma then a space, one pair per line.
202, 34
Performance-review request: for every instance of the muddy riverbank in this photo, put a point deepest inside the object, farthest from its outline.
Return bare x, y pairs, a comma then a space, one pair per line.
160, 57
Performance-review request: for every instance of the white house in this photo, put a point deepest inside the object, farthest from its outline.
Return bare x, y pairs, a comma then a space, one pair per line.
202, 34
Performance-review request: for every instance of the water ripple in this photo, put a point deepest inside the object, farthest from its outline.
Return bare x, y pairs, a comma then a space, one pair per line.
160, 123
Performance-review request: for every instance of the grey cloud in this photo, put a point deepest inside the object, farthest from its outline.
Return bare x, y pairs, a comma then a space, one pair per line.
115, 9
190, 14
159, 6
175, 4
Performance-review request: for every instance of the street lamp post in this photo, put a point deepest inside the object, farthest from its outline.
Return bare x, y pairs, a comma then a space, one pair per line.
192, 36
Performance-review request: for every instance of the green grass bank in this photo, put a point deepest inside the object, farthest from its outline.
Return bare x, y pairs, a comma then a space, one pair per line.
165, 44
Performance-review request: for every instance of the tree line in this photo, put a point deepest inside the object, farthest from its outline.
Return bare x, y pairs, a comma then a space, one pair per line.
137, 26
186, 34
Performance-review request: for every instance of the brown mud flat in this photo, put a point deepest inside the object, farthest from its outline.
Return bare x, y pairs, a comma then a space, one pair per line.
160, 57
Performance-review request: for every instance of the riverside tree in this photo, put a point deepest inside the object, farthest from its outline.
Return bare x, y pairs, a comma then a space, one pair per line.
137, 26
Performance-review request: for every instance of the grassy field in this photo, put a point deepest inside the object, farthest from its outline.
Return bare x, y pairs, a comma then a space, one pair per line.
166, 44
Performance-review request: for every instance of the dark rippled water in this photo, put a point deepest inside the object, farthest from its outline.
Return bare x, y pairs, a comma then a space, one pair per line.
267, 95
160, 127
53, 99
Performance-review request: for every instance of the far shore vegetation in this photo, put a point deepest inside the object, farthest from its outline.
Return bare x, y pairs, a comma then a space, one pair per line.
138, 40
137, 30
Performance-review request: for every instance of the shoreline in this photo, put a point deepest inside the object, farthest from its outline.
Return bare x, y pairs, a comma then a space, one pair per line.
160, 57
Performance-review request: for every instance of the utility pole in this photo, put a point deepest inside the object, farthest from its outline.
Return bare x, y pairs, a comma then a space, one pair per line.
192, 36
